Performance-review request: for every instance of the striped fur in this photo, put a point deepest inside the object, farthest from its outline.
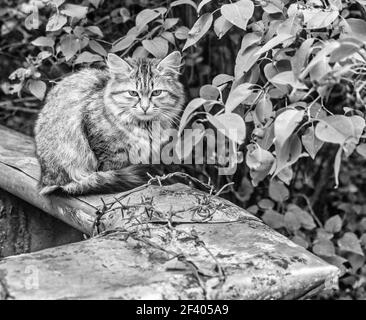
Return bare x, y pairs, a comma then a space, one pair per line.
97, 123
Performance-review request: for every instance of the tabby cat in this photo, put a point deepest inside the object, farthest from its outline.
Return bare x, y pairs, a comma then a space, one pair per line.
96, 123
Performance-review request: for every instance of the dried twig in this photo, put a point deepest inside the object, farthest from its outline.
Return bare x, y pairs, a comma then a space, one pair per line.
138, 225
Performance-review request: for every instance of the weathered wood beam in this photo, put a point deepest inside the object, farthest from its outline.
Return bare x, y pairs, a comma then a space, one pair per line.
20, 174
163, 242
25, 228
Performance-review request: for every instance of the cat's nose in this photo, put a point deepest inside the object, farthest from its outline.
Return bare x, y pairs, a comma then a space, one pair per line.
145, 107
145, 104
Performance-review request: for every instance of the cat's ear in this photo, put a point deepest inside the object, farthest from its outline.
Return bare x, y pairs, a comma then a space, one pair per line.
172, 62
117, 64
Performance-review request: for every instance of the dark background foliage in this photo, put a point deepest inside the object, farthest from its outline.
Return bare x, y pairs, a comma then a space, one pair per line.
41, 41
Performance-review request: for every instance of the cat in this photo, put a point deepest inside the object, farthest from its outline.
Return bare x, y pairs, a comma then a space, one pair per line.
96, 123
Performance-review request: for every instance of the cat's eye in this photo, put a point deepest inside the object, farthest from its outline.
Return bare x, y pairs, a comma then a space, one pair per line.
133, 93
156, 93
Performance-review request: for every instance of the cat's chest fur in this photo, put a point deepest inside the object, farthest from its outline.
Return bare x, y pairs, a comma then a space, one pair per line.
116, 148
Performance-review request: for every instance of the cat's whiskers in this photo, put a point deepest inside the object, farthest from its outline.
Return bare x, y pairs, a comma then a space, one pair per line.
171, 119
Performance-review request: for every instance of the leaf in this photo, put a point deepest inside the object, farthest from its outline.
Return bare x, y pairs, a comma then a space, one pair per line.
337, 4
275, 41
356, 261
145, 16
201, 26
266, 204
249, 40
288, 154
356, 28
311, 143
245, 61
170, 23
322, 234
238, 13
69, 46
363, 240
286, 175
140, 52
56, 22
292, 26
96, 30
181, 33
292, 222
87, 57
361, 149
333, 224
285, 125
316, 18
97, 47
57, 3
338, 128
221, 79
273, 6
264, 109
267, 141
346, 49
191, 107
168, 36
30, 22
278, 191
43, 42
125, 14
358, 125
328, 48
209, 92
75, 11
222, 26
237, 96
274, 219
44, 55
325, 248
201, 4
306, 220
37, 88
320, 70
300, 57
180, 2
158, 47
300, 241
78, 31
287, 78
124, 43
231, 125
253, 209
259, 161
350, 243
246, 57
161, 10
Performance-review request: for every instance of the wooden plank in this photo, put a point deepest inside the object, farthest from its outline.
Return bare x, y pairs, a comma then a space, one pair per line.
110, 266
158, 242
20, 173
24, 228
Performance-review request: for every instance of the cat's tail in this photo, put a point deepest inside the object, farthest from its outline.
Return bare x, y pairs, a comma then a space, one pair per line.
103, 182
